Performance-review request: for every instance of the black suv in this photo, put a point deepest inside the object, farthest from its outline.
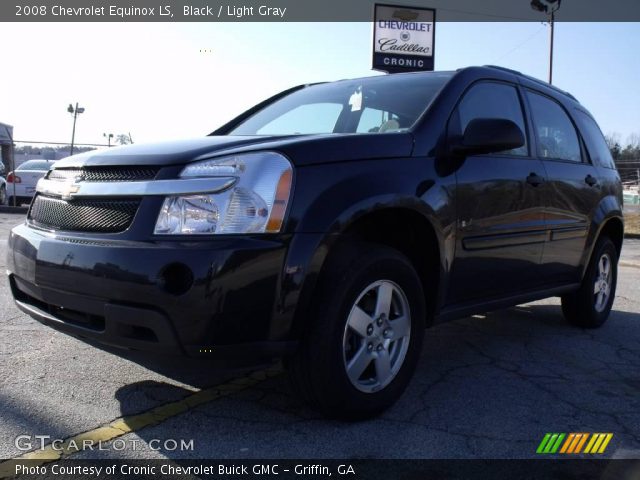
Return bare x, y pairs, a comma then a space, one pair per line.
330, 225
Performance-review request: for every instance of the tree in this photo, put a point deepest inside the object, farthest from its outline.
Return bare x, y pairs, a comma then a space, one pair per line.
613, 142
123, 139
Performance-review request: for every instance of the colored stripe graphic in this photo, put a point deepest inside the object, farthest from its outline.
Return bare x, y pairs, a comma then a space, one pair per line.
556, 445
581, 442
568, 442
604, 445
574, 443
594, 437
598, 442
543, 443
550, 443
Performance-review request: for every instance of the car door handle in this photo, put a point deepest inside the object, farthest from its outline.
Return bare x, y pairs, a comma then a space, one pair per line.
534, 179
591, 181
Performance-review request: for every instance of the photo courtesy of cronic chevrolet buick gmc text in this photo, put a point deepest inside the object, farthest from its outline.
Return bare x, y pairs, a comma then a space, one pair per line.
329, 226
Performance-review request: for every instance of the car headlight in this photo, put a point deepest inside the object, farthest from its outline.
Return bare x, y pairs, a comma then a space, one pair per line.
255, 203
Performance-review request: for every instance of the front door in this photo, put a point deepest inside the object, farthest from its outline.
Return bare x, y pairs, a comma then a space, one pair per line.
499, 204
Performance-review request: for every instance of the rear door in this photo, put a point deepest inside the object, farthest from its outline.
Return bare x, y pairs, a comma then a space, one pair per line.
499, 204
572, 192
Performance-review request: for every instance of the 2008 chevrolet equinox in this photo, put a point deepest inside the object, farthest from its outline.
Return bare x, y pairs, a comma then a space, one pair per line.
330, 225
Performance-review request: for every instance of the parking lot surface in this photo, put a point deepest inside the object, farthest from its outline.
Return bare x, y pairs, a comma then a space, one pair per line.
488, 386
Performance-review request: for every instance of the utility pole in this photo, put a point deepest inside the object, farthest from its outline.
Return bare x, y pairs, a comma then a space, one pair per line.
553, 18
75, 112
549, 7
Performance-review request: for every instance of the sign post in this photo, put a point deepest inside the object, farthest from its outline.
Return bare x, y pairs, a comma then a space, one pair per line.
403, 38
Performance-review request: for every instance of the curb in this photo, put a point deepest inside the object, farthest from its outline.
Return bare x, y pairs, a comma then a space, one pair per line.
8, 209
632, 235
629, 264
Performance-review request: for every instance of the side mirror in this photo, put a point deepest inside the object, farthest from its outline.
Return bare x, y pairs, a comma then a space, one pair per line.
488, 135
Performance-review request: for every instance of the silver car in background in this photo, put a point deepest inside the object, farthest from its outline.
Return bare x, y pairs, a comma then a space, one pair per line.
21, 183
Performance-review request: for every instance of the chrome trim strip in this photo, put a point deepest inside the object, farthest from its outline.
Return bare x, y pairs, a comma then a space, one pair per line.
183, 186
504, 240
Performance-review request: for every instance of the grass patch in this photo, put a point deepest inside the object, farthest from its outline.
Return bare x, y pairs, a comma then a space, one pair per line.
632, 223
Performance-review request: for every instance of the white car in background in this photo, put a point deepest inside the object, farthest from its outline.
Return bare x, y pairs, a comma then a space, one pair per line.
3, 188
21, 183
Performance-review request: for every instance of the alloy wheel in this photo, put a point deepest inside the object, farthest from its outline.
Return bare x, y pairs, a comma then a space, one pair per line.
376, 336
602, 284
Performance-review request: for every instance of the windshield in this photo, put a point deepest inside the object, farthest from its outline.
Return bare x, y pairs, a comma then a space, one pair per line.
35, 165
384, 104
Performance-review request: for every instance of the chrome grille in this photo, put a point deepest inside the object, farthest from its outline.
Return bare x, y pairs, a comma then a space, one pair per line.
104, 216
103, 174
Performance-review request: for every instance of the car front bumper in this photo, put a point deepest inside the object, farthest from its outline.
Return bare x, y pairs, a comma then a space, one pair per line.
194, 298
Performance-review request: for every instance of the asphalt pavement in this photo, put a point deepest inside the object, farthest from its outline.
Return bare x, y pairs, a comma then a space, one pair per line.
488, 386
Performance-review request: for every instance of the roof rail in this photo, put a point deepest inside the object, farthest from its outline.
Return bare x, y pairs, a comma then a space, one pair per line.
534, 79
505, 69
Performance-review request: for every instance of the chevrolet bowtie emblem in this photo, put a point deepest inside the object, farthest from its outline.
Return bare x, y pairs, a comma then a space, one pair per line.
65, 190
69, 190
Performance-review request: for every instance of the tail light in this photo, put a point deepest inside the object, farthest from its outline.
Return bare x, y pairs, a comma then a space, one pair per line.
13, 178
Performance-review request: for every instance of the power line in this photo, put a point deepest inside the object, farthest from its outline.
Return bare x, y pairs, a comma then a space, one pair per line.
529, 38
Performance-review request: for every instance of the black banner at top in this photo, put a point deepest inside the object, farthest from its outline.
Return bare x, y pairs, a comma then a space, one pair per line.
303, 10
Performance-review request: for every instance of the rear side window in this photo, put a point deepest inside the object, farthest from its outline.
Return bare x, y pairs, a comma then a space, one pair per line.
492, 100
596, 144
35, 165
555, 134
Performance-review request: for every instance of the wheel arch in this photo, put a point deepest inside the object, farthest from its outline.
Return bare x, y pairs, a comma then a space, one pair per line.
411, 233
407, 228
613, 227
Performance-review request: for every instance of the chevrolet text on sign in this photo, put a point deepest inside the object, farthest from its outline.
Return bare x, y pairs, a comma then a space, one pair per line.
403, 38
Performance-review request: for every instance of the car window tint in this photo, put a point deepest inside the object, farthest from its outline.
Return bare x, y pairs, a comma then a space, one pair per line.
596, 144
555, 134
310, 118
493, 100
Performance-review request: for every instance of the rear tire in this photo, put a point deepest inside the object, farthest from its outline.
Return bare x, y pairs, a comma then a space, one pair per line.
10, 202
590, 306
361, 348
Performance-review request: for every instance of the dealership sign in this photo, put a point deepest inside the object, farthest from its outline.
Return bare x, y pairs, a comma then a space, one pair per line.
403, 38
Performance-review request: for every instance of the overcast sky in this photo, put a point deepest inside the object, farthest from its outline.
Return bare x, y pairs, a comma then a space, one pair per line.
162, 81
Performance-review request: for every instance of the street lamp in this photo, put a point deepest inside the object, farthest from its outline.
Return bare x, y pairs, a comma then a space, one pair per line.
108, 136
75, 112
549, 7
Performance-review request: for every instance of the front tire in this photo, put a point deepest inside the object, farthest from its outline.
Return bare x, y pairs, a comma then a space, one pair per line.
590, 306
361, 349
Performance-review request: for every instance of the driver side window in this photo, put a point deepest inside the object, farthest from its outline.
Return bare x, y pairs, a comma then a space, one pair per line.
492, 100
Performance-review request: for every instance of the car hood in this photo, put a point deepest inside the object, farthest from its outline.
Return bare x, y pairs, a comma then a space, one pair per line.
300, 149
